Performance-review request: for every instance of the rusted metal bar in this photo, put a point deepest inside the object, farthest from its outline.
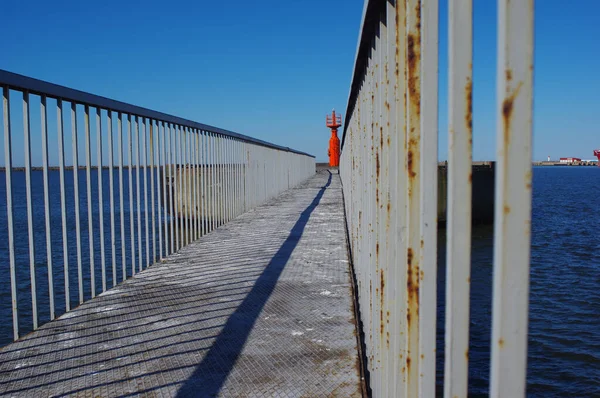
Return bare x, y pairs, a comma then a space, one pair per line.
512, 229
458, 229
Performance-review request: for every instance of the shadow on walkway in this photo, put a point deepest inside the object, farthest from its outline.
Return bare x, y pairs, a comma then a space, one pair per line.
211, 374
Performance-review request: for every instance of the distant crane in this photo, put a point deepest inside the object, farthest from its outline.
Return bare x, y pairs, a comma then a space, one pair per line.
597, 154
334, 122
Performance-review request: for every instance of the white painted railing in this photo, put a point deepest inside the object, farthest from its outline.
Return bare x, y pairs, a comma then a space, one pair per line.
389, 172
177, 180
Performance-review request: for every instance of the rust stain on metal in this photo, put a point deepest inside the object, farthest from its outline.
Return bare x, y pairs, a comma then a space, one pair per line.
507, 110
397, 46
467, 354
508, 74
470, 177
469, 110
382, 286
411, 172
413, 60
412, 287
506, 209
501, 342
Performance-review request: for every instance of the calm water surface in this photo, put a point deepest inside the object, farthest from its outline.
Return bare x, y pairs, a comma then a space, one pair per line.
564, 326
564, 329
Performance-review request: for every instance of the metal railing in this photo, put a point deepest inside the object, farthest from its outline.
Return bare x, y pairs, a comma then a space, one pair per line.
177, 180
389, 173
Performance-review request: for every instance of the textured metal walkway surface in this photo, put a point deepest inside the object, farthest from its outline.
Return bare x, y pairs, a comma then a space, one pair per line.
261, 307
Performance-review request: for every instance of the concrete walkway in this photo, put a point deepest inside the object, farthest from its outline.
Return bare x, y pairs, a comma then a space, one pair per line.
261, 307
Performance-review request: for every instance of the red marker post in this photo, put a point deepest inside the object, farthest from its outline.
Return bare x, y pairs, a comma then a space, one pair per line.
334, 122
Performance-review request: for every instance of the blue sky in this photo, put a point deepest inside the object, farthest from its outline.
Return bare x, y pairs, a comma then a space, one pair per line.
273, 69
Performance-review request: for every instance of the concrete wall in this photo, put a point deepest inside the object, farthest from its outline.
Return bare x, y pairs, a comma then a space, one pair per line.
482, 195
215, 186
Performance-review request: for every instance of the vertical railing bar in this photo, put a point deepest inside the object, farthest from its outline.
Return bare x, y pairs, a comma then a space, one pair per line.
63, 204
211, 147
193, 183
131, 206
111, 164
171, 190
189, 189
202, 184
226, 179
159, 167
186, 184
238, 178
184, 195
221, 197
88, 175
206, 154
215, 177
44, 117
413, 130
201, 191
100, 198
145, 168
246, 175
512, 226
76, 197
137, 184
152, 213
229, 181
177, 150
236, 175
398, 147
458, 225
196, 183
9, 209
27, 147
244, 178
183, 200
121, 203
240, 155
428, 198
223, 182
384, 202
375, 233
166, 142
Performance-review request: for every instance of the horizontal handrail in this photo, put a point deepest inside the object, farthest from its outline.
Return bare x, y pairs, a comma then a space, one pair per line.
39, 87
